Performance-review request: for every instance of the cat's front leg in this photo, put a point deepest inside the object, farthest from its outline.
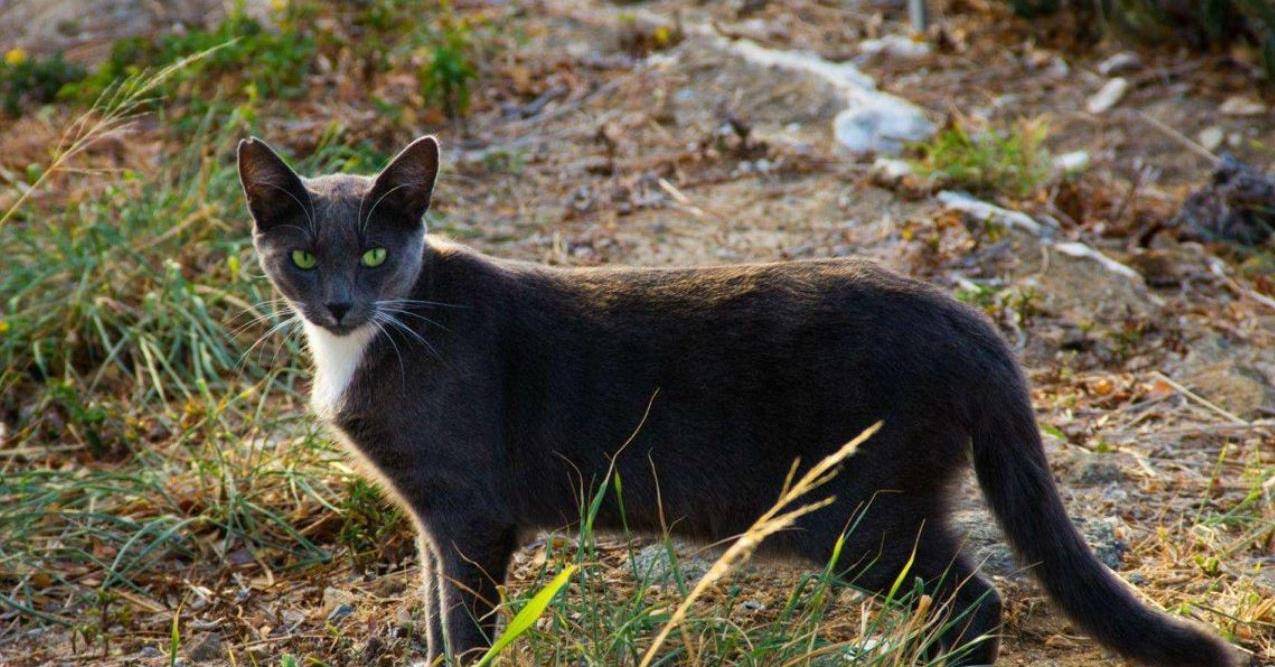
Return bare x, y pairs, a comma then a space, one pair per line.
472, 553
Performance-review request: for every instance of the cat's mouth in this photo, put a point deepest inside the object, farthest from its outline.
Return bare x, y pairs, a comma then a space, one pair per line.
347, 324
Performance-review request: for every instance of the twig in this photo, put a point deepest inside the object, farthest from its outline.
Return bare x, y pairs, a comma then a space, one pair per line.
1200, 399
1180, 138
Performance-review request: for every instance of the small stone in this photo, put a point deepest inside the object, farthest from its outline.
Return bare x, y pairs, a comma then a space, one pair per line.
654, 565
890, 170
403, 617
1239, 105
896, 46
292, 618
207, 649
1098, 473
753, 605
1108, 96
1211, 138
340, 612
1121, 62
1073, 162
149, 652
334, 597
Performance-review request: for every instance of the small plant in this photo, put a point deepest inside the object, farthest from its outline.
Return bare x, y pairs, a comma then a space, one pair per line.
369, 523
25, 80
1012, 162
446, 76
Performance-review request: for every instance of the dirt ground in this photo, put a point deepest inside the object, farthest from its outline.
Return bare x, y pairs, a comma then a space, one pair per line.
1156, 386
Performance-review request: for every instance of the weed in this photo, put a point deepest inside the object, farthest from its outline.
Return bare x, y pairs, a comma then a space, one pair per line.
370, 525
25, 80
446, 76
1012, 162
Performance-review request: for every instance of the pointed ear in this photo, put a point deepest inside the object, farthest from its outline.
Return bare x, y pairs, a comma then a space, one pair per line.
274, 192
406, 184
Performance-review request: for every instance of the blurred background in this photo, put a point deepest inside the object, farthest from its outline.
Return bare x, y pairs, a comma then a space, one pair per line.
1093, 174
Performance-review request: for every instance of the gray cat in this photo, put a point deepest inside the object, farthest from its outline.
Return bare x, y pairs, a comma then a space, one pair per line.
486, 394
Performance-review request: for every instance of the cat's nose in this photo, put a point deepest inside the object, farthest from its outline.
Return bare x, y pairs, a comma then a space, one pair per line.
338, 310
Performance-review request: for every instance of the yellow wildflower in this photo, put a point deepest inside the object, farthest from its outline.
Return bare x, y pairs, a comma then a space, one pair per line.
15, 56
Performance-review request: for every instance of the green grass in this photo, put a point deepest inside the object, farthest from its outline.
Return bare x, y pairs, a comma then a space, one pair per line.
1011, 161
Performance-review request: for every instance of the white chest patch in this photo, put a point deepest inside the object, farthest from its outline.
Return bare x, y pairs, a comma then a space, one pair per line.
335, 360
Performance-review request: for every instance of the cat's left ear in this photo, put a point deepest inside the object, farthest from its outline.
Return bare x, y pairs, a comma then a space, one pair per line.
406, 184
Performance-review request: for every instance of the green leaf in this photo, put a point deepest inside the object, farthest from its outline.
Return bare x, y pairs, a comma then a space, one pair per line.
523, 620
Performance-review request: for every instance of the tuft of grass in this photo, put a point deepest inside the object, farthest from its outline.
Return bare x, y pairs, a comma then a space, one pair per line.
249, 61
28, 81
449, 70
371, 525
1012, 162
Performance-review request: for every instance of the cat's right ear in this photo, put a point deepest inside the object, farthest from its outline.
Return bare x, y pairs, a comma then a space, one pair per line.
274, 192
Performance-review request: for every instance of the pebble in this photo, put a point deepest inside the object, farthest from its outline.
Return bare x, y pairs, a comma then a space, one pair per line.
1211, 138
340, 612
1108, 96
1239, 105
207, 649
1073, 162
1120, 62
653, 565
897, 46
890, 169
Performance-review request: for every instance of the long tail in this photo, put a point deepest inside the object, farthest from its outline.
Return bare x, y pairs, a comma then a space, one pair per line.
1014, 475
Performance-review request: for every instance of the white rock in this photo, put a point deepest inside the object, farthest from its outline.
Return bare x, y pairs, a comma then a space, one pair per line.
1108, 96
1239, 105
981, 210
1211, 138
890, 169
872, 122
1077, 249
898, 46
1070, 163
1121, 62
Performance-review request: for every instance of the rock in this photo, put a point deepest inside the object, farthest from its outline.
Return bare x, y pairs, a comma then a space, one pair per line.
207, 649
1073, 162
1099, 473
1239, 105
1158, 267
1230, 387
1120, 62
1101, 536
340, 612
654, 565
1238, 205
987, 547
1082, 251
897, 46
890, 170
148, 653
1108, 96
985, 212
871, 122
1211, 137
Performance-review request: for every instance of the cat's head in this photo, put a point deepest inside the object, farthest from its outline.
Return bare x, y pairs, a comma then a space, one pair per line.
340, 248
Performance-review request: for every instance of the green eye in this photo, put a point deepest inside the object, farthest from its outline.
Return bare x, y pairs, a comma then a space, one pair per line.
303, 259
374, 257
